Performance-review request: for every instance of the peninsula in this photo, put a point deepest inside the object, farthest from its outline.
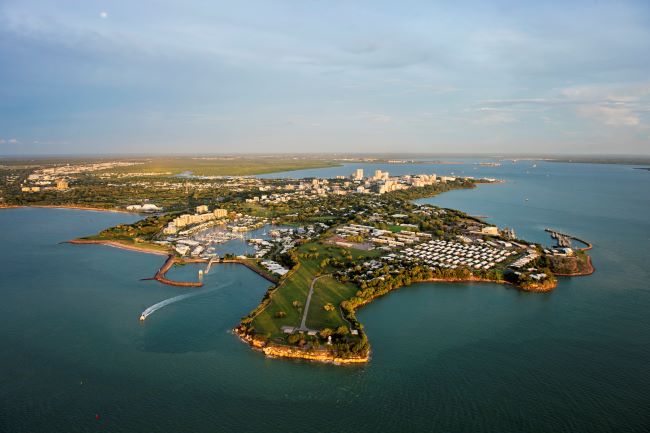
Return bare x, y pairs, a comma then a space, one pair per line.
327, 246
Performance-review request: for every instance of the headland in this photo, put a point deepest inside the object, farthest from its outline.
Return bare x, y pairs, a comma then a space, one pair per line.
328, 246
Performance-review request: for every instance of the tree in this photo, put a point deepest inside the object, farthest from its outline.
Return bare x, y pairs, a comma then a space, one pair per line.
342, 330
329, 307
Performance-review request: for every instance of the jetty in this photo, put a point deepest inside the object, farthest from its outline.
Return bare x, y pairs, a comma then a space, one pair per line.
564, 240
207, 269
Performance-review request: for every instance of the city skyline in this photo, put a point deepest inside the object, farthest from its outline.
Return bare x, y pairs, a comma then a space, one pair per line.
369, 77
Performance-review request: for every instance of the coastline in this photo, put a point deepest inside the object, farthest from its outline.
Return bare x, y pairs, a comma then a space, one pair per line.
72, 207
116, 244
171, 261
272, 350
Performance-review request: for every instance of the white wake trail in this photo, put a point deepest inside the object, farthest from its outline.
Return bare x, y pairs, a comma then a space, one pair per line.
155, 307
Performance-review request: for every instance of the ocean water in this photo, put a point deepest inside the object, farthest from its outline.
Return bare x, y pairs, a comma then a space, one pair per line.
446, 357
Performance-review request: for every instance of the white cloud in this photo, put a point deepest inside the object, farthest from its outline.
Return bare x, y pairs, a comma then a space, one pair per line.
617, 115
376, 117
103, 14
618, 104
497, 118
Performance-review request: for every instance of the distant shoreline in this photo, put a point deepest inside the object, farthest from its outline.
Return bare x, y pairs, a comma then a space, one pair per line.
73, 207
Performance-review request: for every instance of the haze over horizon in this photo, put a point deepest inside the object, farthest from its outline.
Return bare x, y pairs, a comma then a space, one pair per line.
365, 77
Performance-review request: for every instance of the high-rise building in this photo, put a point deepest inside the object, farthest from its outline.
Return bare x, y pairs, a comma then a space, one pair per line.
381, 175
220, 213
358, 174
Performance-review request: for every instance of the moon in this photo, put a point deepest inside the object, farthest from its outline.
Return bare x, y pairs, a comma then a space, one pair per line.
103, 14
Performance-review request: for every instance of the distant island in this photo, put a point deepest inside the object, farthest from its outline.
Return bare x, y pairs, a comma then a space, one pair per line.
327, 246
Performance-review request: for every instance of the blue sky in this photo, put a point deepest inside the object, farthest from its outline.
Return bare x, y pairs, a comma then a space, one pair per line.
142, 76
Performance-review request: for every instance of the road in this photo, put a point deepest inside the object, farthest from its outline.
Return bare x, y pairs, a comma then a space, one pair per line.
303, 326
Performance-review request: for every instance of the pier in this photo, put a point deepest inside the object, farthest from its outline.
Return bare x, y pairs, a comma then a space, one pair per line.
564, 240
212, 260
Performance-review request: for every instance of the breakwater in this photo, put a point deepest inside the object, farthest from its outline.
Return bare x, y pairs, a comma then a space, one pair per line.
258, 271
171, 261
160, 275
564, 240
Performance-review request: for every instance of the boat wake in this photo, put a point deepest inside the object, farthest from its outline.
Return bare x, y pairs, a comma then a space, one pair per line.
162, 304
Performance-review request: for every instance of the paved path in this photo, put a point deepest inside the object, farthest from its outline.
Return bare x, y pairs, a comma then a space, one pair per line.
303, 326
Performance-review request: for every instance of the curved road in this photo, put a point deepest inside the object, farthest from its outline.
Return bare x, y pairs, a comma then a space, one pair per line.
303, 327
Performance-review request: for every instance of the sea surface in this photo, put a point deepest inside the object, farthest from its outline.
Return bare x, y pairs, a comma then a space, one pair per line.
446, 357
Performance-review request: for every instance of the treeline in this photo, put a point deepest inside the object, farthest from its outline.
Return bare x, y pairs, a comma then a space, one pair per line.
431, 190
145, 229
379, 286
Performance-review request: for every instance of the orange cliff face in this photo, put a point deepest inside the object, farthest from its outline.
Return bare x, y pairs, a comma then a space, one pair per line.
320, 356
276, 351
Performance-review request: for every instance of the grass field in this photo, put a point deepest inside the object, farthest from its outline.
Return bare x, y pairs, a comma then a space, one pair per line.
328, 290
296, 287
225, 165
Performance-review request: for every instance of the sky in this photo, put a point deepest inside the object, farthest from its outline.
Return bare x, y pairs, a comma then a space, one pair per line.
118, 76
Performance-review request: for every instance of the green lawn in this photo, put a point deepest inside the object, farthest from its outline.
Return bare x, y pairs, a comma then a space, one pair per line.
296, 288
128, 242
328, 290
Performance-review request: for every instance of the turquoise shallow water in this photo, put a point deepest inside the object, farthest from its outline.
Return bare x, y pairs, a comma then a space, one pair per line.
452, 358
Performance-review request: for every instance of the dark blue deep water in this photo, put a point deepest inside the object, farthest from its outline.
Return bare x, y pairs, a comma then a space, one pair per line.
446, 358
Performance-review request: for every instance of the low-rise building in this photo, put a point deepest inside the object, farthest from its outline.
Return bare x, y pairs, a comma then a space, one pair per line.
62, 184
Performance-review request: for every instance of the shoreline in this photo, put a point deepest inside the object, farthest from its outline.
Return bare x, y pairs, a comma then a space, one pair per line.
116, 244
273, 350
72, 207
170, 262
